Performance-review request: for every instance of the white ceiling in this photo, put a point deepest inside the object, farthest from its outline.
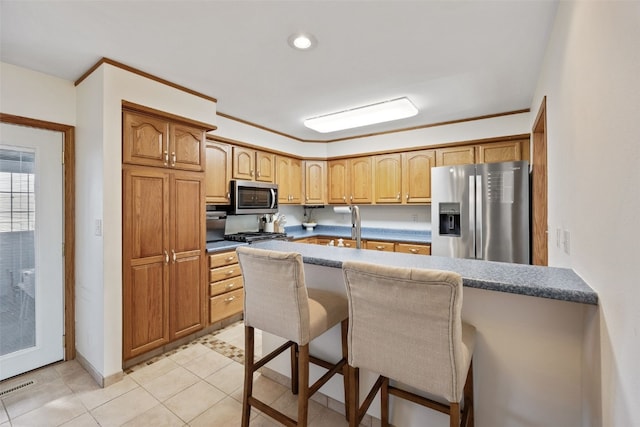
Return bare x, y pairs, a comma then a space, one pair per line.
453, 59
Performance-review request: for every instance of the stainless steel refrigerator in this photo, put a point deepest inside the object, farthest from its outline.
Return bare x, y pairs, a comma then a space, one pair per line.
481, 211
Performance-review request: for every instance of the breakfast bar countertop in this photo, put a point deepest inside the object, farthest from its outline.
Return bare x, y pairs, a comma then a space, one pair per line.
543, 282
368, 233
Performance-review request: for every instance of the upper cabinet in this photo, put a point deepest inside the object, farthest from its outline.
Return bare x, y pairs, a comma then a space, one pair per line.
350, 181
387, 171
507, 151
218, 159
465, 155
315, 182
416, 176
154, 141
253, 165
289, 180
403, 178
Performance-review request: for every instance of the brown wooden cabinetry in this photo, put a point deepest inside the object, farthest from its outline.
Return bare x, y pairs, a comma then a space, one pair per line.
509, 151
155, 141
387, 171
163, 241
218, 175
413, 248
315, 182
289, 180
225, 286
252, 165
350, 181
380, 246
464, 155
416, 176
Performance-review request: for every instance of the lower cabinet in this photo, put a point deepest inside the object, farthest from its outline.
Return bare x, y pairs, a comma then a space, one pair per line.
380, 246
225, 286
411, 248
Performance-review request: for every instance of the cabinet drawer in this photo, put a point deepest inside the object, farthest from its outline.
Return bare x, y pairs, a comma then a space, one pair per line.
225, 258
380, 246
217, 288
409, 248
225, 305
221, 273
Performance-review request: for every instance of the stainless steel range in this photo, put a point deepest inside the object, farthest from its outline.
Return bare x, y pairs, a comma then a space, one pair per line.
255, 236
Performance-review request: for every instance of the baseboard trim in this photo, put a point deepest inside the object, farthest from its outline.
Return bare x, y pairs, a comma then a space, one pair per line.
96, 375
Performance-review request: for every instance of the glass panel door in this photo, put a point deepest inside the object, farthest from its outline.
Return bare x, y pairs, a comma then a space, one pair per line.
31, 254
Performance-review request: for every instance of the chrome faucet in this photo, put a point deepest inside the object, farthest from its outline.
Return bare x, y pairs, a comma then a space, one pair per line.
356, 233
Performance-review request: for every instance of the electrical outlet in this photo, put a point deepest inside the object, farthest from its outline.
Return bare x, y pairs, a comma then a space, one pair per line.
558, 237
567, 242
98, 227
414, 217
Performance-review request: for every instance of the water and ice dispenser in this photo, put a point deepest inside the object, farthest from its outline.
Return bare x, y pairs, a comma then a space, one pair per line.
449, 219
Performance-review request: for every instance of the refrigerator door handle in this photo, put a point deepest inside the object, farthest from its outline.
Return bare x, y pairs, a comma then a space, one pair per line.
472, 212
479, 195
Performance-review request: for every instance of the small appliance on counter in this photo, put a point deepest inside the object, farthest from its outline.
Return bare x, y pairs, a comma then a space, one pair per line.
216, 223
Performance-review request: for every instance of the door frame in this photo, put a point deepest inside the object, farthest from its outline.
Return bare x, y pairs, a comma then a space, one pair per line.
540, 226
68, 171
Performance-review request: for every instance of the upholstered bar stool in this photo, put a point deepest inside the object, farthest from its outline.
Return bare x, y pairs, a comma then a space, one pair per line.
277, 301
405, 325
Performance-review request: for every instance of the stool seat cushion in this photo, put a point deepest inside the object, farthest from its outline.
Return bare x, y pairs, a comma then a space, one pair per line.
326, 309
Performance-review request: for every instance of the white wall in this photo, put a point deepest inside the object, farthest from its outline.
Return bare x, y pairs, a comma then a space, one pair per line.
591, 80
36, 95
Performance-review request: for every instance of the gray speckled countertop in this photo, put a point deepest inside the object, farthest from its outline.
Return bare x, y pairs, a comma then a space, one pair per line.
543, 282
368, 233
223, 245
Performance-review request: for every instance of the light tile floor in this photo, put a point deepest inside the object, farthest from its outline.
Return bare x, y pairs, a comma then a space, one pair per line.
199, 384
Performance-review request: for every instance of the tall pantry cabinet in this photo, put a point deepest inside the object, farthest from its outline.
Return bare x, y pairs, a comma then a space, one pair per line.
164, 231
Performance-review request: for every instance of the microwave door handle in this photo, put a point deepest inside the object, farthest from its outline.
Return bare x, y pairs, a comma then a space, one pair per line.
273, 198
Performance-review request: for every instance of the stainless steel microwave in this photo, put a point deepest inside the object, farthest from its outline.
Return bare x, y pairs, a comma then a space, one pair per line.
248, 197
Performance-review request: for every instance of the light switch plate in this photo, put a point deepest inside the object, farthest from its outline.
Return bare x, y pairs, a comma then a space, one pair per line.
567, 242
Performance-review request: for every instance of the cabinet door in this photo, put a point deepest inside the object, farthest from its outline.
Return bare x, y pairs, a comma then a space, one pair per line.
412, 248
338, 181
243, 163
455, 156
145, 140
510, 151
283, 179
315, 182
295, 175
265, 167
145, 284
361, 179
388, 178
188, 230
186, 146
218, 172
416, 176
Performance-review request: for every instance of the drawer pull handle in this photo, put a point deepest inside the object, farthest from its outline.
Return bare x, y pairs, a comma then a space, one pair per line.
173, 255
230, 258
166, 257
229, 273
380, 248
230, 285
414, 251
229, 299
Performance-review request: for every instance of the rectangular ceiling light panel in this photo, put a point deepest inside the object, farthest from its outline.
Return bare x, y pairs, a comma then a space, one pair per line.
381, 112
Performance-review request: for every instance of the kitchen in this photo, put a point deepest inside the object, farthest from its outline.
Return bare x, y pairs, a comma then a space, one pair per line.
597, 37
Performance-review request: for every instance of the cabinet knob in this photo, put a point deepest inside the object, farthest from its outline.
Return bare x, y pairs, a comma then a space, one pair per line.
166, 257
407, 196
398, 196
173, 255
173, 158
258, 174
344, 198
413, 250
228, 196
251, 172
166, 157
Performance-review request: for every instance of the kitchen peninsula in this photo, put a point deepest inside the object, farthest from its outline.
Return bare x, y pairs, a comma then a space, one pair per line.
530, 348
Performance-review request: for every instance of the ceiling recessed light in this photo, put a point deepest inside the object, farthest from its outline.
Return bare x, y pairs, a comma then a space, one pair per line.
380, 112
302, 41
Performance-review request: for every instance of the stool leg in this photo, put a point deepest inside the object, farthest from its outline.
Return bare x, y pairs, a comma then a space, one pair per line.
384, 402
468, 397
248, 374
454, 414
354, 395
345, 368
294, 369
303, 384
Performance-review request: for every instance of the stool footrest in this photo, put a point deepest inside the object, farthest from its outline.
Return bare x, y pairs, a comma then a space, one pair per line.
333, 369
273, 413
419, 400
269, 357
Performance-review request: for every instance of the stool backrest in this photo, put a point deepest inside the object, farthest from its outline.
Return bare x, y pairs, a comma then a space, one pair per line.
405, 324
275, 295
